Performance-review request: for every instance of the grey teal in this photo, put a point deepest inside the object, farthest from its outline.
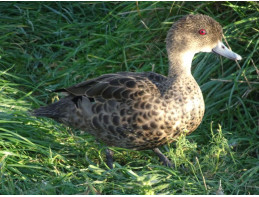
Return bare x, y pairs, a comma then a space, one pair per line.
144, 110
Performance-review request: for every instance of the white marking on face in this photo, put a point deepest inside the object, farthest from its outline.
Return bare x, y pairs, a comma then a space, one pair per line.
206, 49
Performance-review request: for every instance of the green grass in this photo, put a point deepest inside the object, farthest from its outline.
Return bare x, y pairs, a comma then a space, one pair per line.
49, 45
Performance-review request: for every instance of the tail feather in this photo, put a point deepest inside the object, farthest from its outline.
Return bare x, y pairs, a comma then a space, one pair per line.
56, 110
66, 109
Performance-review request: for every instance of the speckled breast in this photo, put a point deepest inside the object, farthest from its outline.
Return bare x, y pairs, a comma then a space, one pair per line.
152, 121
185, 109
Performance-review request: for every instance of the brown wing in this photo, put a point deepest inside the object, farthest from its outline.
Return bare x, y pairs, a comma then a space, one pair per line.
120, 86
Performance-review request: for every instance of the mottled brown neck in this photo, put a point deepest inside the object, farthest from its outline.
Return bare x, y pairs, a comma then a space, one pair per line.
180, 63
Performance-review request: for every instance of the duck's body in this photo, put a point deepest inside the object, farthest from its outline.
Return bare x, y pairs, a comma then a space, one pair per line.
144, 110
132, 110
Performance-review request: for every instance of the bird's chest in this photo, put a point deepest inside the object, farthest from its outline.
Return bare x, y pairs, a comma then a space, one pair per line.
185, 107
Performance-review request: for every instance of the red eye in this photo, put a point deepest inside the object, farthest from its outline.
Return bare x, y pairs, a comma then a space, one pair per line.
202, 32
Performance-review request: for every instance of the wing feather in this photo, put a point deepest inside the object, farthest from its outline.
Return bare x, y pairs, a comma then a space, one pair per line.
120, 86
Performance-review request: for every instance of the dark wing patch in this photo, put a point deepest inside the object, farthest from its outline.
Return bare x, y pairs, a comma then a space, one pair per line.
120, 86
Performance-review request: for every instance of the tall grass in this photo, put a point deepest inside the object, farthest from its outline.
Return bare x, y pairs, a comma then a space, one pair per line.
50, 45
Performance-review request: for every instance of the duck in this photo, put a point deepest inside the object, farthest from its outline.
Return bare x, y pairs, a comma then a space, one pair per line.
144, 110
